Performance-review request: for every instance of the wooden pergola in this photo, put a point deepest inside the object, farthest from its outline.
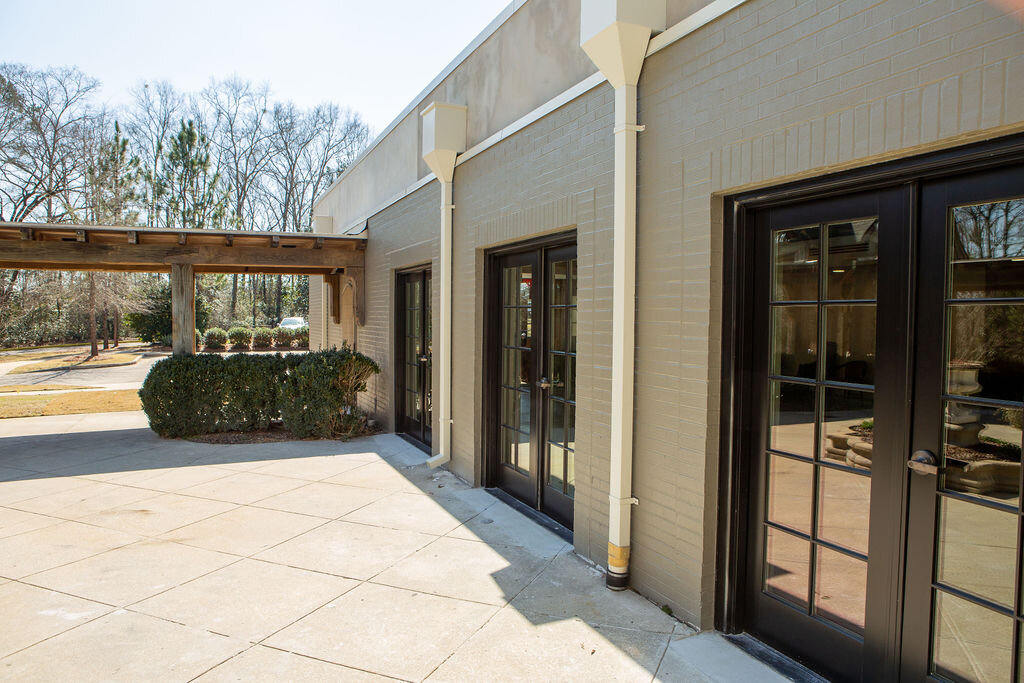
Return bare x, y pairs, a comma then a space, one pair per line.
185, 253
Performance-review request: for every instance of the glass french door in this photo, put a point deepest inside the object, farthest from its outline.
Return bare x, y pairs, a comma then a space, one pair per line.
829, 297
414, 354
963, 597
536, 376
885, 367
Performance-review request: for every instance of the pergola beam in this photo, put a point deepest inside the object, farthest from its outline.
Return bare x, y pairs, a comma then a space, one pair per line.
89, 256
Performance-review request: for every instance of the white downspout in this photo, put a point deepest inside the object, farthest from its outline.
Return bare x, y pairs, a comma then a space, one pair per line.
615, 36
444, 138
445, 332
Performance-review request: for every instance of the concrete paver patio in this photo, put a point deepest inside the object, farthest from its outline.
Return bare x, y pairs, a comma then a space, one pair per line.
124, 556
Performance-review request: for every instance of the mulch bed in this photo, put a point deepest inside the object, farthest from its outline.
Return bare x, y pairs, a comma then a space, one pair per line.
275, 434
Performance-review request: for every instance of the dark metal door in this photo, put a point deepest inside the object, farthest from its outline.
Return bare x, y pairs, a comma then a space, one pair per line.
414, 356
535, 396
963, 591
829, 390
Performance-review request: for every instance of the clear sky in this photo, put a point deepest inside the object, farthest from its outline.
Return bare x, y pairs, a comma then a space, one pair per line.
371, 55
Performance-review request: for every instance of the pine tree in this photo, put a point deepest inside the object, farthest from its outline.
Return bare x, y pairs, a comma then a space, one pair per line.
194, 196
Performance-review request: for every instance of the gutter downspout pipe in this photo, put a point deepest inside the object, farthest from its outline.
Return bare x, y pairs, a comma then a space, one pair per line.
444, 138
615, 35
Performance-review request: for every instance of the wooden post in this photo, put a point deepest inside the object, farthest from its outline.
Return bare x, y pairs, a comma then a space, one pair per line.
183, 309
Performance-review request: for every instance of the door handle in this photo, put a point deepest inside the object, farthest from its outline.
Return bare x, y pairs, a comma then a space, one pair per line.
923, 462
424, 359
544, 384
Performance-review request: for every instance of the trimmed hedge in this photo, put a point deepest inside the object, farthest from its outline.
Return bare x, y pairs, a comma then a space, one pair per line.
240, 337
215, 338
283, 337
262, 338
313, 393
302, 337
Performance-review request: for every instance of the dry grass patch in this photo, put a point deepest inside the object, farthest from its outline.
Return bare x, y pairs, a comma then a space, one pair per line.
79, 361
40, 355
19, 388
70, 404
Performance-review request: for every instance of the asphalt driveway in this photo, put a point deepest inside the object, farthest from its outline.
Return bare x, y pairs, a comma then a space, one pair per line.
124, 556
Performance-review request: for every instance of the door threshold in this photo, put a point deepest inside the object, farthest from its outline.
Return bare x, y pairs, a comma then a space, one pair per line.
769, 656
536, 515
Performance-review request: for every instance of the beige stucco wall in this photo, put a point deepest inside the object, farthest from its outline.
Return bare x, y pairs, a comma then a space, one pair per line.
534, 56
775, 90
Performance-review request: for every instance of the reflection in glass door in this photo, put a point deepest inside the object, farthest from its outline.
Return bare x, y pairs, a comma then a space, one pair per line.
964, 611
413, 351
536, 376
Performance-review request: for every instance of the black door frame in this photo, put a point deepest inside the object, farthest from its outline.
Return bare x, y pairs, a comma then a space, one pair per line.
423, 442
735, 476
489, 445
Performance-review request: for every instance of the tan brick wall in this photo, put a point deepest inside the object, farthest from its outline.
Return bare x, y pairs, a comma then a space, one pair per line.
773, 91
403, 235
553, 175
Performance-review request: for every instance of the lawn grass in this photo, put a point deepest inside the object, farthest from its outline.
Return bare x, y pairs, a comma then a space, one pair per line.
78, 361
70, 404
41, 355
19, 388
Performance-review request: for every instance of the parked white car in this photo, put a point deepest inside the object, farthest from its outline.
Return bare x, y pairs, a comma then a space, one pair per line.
293, 323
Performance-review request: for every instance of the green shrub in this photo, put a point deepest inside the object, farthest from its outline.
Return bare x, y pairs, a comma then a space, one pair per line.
320, 389
199, 340
302, 337
215, 338
251, 388
166, 340
314, 394
262, 338
182, 395
283, 337
240, 337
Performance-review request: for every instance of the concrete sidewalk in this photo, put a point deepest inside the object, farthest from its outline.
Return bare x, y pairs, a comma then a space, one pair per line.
124, 556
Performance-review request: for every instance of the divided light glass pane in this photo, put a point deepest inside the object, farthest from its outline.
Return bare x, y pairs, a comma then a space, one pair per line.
786, 566
850, 343
795, 341
852, 260
977, 549
844, 508
987, 250
986, 351
982, 451
849, 427
790, 492
841, 589
970, 642
556, 465
795, 254
792, 417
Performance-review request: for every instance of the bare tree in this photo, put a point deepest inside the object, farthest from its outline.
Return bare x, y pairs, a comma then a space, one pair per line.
240, 134
40, 157
153, 120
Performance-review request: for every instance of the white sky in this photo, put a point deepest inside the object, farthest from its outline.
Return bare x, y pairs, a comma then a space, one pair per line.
373, 56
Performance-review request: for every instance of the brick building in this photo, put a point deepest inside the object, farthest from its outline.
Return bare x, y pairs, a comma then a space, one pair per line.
731, 291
